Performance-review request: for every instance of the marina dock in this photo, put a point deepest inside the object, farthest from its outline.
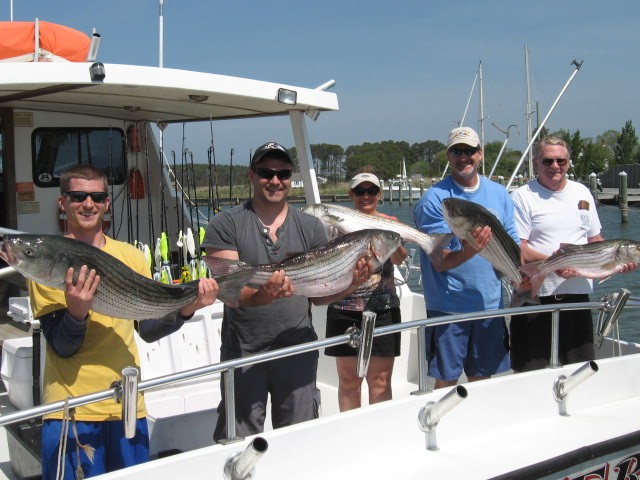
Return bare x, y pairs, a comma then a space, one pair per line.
609, 196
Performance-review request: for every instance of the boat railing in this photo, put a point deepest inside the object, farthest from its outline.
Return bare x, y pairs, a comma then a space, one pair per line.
611, 305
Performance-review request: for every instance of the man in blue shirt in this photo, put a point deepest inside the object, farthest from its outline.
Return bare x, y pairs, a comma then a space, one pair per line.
457, 280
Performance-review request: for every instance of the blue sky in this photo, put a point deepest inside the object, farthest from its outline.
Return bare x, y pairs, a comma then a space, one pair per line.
404, 69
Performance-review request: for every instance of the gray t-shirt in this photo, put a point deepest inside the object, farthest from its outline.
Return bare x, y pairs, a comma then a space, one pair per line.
286, 321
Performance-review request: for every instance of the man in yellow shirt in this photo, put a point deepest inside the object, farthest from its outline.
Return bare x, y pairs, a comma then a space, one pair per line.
87, 351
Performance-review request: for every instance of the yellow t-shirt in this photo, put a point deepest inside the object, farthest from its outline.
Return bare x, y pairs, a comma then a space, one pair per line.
108, 347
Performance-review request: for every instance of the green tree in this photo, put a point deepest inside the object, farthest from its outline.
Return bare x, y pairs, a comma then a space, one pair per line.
426, 151
626, 147
596, 157
609, 139
328, 161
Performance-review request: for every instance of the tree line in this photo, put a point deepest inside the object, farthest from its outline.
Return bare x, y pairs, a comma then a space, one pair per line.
337, 164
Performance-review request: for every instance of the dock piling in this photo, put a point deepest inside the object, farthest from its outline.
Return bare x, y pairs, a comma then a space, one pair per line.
622, 199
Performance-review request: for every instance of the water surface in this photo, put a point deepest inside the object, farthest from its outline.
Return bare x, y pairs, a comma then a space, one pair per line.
612, 228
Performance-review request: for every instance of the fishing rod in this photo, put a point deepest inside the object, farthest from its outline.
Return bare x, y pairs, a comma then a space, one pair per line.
152, 233
128, 193
212, 156
163, 266
231, 178
210, 181
539, 129
495, 164
137, 185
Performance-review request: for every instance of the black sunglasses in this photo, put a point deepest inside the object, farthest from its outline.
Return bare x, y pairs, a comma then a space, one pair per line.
360, 191
269, 173
77, 196
456, 152
549, 161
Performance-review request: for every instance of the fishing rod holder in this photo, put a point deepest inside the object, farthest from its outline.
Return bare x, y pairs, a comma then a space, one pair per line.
241, 465
609, 314
363, 341
563, 385
430, 414
126, 393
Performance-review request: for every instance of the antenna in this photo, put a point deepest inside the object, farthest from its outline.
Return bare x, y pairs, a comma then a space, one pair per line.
161, 39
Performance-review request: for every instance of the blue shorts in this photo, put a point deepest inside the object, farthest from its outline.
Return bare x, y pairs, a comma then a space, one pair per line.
479, 348
112, 450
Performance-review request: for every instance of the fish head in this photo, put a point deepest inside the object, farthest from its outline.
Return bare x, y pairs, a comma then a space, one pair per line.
382, 244
633, 252
35, 258
457, 214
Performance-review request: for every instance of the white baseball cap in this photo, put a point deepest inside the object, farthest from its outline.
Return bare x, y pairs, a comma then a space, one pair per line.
364, 177
463, 136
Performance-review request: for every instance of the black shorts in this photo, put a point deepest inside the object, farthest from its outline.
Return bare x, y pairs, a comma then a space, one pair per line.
530, 335
383, 346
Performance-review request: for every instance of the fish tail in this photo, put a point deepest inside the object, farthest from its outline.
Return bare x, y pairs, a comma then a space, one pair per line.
532, 270
223, 266
230, 287
432, 241
521, 297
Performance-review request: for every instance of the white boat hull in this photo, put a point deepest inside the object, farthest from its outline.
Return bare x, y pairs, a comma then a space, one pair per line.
505, 425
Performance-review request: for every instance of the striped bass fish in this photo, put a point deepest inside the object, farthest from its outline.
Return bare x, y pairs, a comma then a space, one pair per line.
502, 251
324, 271
347, 220
596, 260
122, 293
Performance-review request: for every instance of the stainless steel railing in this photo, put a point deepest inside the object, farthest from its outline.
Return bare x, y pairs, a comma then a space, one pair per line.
230, 365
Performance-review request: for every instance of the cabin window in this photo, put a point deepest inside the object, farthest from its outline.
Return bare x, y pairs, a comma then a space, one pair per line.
56, 149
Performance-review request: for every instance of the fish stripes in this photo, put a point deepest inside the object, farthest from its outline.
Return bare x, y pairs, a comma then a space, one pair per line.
347, 220
502, 251
596, 260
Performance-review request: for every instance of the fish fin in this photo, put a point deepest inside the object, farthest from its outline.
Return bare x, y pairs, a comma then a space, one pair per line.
229, 288
291, 255
522, 297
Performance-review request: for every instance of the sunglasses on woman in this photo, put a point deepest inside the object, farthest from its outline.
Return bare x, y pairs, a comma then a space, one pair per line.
456, 152
269, 173
371, 191
77, 196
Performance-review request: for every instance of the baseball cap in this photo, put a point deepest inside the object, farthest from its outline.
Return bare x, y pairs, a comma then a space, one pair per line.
463, 136
364, 177
271, 149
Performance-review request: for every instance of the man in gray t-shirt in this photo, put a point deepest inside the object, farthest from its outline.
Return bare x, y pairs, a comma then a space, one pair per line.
267, 230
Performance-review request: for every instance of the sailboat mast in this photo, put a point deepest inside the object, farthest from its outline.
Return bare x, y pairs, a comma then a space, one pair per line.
161, 34
481, 114
528, 113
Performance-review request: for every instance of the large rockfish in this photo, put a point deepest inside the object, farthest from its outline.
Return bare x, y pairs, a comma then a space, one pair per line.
346, 220
502, 251
324, 271
596, 260
122, 293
